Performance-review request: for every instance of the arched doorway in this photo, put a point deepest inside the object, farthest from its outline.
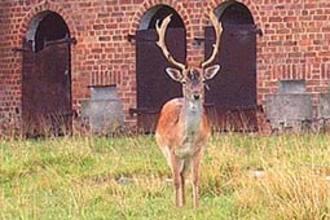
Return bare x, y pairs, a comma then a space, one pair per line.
46, 81
154, 87
233, 92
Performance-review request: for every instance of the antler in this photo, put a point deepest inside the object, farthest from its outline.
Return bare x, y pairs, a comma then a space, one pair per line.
161, 31
218, 30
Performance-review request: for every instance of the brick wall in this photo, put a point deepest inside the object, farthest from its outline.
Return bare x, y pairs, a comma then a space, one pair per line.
294, 45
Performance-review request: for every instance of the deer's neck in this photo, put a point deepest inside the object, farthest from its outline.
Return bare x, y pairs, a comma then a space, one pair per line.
191, 116
191, 119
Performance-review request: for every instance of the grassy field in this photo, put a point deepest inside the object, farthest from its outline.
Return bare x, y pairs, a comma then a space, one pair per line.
127, 178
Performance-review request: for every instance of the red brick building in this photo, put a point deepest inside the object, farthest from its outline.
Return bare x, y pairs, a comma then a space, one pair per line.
108, 41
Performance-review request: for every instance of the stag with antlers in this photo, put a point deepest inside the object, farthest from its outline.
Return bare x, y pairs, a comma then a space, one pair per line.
183, 129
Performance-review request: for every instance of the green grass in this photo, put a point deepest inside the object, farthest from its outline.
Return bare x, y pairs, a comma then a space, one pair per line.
127, 178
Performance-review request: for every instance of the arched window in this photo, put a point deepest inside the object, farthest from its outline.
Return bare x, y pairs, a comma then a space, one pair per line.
46, 79
154, 87
233, 91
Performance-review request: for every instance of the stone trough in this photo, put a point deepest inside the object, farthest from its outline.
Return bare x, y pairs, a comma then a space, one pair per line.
104, 111
291, 107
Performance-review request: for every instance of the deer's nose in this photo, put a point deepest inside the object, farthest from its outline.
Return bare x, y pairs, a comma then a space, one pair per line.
196, 96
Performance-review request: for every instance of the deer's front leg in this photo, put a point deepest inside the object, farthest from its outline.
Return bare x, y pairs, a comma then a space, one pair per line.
196, 177
178, 181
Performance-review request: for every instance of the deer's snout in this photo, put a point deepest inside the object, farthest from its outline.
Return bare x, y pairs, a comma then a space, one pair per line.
196, 96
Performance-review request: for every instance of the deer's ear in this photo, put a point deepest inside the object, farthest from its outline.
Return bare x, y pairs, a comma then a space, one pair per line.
175, 74
211, 71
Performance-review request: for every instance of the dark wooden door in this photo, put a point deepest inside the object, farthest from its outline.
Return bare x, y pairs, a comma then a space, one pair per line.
154, 86
232, 96
46, 92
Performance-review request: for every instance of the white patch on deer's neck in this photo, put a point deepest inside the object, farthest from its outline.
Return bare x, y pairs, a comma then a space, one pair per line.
193, 116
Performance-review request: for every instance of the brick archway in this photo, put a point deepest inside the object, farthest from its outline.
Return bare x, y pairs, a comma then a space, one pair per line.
177, 6
46, 6
39, 29
247, 3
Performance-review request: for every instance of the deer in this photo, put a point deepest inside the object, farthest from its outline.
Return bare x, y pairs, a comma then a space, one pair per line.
183, 129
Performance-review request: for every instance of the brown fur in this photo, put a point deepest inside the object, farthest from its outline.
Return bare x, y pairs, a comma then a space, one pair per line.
170, 129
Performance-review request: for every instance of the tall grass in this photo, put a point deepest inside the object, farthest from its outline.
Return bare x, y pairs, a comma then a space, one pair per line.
127, 178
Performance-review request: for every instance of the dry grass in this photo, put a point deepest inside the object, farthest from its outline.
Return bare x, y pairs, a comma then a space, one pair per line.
127, 178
